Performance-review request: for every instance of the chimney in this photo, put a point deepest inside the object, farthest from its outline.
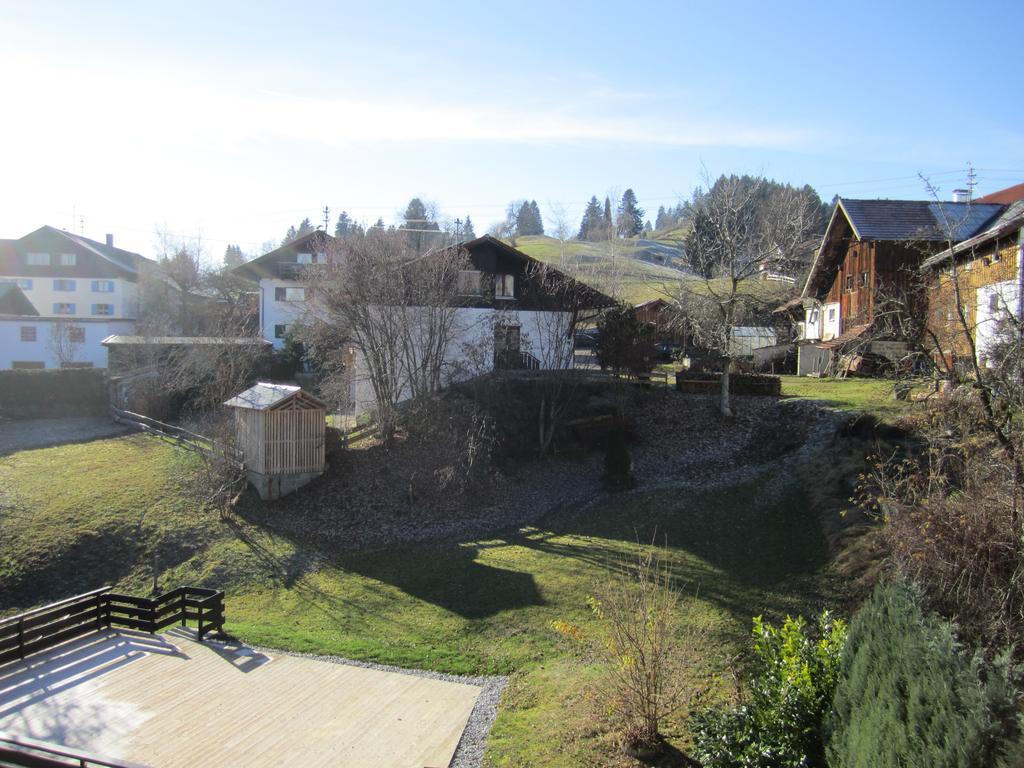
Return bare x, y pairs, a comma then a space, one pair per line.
961, 195
110, 240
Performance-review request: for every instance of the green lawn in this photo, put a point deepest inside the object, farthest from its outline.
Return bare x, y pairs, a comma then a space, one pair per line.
873, 396
89, 514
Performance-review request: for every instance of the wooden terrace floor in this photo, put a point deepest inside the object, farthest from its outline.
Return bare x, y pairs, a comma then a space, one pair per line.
167, 700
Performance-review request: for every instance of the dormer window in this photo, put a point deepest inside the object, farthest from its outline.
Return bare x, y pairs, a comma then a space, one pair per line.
310, 258
504, 286
37, 259
67, 259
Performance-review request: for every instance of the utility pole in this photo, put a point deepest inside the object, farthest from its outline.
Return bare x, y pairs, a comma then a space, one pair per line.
327, 218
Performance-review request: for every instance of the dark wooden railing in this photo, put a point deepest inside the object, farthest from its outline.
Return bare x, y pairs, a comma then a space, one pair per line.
183, 437
45, 627
20, 751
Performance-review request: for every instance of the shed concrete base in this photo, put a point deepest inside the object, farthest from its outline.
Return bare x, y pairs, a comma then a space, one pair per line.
276, 486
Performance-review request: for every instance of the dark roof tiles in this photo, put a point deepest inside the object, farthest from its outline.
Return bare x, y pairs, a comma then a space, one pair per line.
917, 219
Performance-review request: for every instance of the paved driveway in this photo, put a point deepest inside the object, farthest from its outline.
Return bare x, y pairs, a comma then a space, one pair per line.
39, 433
168, 701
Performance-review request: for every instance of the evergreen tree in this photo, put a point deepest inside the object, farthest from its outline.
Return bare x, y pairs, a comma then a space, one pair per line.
305, 228
631, 215
290, 235
344, 225
909, 696
590, 226
528, 219
607, 225
233, 256
661, 220
467, 229
417, 219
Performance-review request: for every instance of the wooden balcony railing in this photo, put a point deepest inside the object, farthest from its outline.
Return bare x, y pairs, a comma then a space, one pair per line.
43, 628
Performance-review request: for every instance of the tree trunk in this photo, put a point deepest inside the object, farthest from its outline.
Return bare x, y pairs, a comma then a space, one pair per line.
723, 401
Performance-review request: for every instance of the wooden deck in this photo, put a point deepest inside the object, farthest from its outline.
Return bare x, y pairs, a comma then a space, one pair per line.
167, 700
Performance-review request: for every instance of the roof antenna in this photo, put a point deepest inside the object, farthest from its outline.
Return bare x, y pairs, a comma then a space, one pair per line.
81, 225
327, 218
972, 179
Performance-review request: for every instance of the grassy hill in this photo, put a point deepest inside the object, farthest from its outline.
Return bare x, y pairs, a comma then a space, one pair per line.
633, 270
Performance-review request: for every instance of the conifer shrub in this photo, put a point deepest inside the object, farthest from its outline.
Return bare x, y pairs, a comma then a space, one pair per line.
909, 696
618, 465
780, 723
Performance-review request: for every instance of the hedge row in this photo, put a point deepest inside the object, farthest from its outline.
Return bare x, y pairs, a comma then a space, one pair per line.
53, 393
694, 382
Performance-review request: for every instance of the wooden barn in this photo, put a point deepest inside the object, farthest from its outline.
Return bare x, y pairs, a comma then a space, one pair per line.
870, 253
280, 431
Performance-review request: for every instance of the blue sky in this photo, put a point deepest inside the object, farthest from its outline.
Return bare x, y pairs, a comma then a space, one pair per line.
234, 120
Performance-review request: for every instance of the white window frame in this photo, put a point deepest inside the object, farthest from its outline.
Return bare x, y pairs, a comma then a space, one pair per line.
288, 292
68, 305
67, 259
95, 310
66, 281
102, 286
37, 259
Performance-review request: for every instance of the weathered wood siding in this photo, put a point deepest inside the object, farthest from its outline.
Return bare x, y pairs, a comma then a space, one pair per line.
281, 441
869, 269
972, 273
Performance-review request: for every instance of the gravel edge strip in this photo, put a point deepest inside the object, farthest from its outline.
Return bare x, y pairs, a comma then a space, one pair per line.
470, 751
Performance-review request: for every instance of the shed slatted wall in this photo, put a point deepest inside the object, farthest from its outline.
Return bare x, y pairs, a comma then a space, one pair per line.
282, 441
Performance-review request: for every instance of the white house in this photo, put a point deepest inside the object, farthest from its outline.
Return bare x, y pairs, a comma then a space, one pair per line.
80, 291
508, 317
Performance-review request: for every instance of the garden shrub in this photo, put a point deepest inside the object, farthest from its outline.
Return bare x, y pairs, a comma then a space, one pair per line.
618, 466
909, 696
781, 724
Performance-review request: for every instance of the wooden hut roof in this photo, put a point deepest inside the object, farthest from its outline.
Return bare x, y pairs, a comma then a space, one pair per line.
273, 397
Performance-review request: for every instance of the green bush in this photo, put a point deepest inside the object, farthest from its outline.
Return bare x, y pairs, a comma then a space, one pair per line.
53, 393
909, 696
623, 343
781, 723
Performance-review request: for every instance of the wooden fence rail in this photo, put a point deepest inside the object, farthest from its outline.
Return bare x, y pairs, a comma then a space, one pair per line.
45, 627
180, 435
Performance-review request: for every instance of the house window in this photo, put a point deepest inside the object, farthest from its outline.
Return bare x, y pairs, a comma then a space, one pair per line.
280, 331
849, 283
37, 259
63, 308
289, 294
76, 334
103, 309
63, 285
993, 302
67, 259
27, 365
22, 282
102, 286
469, 282
28, 333
304, 258
996, 256
831, 314
865, 279
504, 286
812, 317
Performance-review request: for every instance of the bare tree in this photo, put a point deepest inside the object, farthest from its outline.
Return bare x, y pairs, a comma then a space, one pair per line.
398, 310
736, 232
563, 229
65, 342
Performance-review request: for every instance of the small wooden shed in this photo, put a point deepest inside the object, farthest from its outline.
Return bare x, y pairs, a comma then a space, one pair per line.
280, 431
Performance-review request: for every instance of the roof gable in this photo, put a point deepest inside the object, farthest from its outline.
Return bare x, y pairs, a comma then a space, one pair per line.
264, 396
1008, 195
266, 265
14, 302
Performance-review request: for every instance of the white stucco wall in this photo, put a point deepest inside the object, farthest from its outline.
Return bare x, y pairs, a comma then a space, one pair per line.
987, 318
273, 312
830, 321
13, 349
810, 328
40, 291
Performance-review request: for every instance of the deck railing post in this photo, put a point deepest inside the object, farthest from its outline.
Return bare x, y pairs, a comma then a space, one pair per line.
184, 606
21, 638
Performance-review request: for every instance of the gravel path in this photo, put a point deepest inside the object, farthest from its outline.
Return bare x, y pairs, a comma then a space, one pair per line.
40, 433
